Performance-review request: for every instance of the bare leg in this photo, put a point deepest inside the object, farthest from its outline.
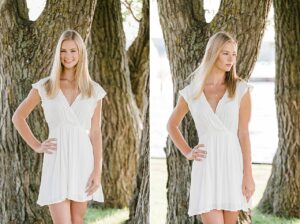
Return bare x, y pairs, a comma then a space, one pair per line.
77, 211
213, 217
230, 217
60, 212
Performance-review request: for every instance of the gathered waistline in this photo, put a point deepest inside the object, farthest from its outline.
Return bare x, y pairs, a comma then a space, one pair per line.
217, 134
64, 126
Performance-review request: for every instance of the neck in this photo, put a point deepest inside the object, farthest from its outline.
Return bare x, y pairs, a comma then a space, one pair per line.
216, 77
68, 74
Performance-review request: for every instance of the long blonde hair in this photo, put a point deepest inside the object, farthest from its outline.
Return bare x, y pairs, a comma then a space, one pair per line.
213, 48
82, 76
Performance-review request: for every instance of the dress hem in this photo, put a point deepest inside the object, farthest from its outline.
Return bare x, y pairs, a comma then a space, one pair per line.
69, 198
219, 208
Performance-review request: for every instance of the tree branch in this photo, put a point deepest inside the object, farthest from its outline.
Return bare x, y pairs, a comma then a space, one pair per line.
22, 9
138, 58
128, 6
198, 10
9, 13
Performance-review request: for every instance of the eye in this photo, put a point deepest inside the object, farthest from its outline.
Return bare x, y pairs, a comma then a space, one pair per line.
73, 50
225, 53
62, 50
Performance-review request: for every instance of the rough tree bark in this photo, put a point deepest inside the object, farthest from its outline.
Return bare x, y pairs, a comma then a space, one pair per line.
282, 194
139, 206
26, 50
122, 117
186, 33
138, 57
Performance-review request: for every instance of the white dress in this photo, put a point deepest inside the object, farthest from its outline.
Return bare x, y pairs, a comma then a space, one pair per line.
66, 172
216, 181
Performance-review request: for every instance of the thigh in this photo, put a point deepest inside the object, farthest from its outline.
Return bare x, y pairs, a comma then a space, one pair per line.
213, 217
230, 217
78, 210
60, 212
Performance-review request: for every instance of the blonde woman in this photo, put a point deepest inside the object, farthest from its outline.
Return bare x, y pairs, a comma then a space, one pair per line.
220, 105
73, 152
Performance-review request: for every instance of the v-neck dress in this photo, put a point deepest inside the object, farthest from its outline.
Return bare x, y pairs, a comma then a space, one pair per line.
65, 173
216, 181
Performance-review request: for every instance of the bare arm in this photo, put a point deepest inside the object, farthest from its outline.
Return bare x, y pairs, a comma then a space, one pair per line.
96, 140
243, 131
175, 119
19, 121
244, 139
96, 137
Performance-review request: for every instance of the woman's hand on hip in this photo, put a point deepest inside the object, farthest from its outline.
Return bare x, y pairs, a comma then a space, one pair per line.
198, 153
93, 183
48, 146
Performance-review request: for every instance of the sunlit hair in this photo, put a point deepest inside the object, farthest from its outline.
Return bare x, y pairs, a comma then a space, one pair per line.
213, 49
82, 76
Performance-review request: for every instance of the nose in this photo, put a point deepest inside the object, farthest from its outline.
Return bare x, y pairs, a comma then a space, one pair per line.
68, 55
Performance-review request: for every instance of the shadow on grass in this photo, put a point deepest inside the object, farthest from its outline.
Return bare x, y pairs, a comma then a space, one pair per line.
101, 215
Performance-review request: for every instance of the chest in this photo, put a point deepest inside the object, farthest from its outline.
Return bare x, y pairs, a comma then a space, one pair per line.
213, 95
70, 92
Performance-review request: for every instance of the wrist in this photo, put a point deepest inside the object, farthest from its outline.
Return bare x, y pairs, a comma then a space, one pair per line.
248, 173
97, 169
36, 146
187, 151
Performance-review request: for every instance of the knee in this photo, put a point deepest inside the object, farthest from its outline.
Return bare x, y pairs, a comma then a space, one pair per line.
76, 219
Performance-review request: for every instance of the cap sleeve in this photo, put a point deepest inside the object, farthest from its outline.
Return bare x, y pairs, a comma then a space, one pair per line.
243, 88
39, 85
186, 93
99, 91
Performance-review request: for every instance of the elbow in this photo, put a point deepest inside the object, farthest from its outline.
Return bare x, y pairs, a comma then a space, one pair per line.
14, 118
170, 126
243, 134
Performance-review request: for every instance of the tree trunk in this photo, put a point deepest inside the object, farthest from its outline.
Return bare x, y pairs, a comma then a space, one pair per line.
121, 121
282, 194
26, 54
138, 55
139, 207
186, 33
138, 59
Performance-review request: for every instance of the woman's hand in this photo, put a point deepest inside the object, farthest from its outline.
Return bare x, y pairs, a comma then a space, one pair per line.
93, 183
48, 146
197, 153
248, 186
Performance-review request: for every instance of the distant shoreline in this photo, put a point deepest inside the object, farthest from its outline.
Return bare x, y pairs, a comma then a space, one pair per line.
262, 79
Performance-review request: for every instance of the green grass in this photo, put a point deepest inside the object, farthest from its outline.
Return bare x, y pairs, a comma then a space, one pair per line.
259, 218
106, 216
158, 200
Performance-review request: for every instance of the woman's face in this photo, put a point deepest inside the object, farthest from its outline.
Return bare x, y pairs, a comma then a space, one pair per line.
227, 57
69, 54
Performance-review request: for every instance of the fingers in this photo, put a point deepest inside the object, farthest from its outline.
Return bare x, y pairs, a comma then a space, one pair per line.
247, 193
92, 187
199, 153
49, 146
